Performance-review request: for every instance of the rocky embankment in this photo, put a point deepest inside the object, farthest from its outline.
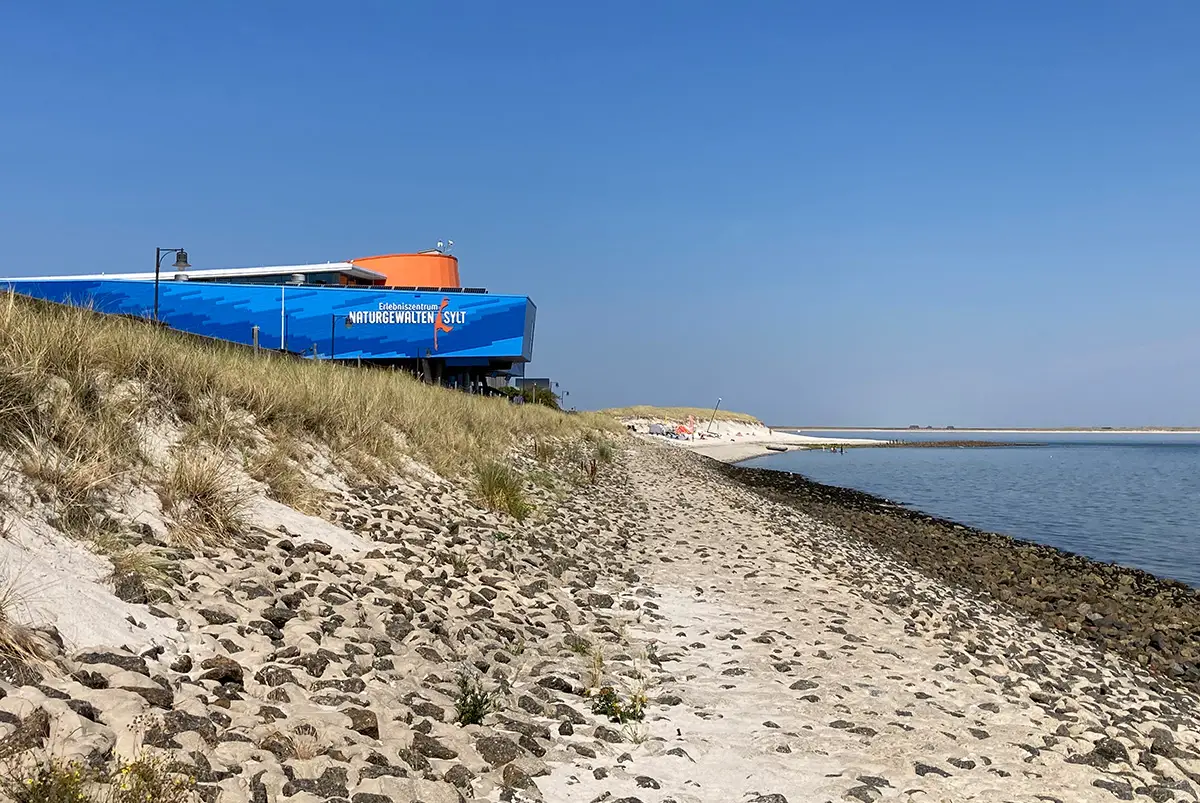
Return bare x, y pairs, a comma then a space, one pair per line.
306, 670
778, 658
1153, 622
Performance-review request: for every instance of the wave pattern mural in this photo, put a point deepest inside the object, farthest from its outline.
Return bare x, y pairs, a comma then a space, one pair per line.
321, 322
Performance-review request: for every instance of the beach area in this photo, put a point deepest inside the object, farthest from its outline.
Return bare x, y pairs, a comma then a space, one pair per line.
444, 454
814, 664
734, 441
243, 605
673, 629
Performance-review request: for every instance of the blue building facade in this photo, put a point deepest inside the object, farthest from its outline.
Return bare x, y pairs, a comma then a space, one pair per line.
459, 330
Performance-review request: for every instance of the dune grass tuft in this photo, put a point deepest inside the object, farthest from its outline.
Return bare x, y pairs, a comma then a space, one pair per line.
95, 363
678, 414
215, 422
605, 451
544, 450
139, 571
207, 508
501, 488
75, 472
277, 468
19, 647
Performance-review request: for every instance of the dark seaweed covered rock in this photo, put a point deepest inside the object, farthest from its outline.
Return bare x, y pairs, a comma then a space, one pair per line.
1148, 619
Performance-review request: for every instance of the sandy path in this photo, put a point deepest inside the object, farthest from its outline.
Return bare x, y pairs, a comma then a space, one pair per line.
815, 669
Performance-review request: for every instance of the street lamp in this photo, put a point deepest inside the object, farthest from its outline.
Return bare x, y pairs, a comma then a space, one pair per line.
181, 263
333, 331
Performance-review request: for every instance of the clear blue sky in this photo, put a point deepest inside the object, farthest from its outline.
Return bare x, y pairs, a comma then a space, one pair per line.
838, 213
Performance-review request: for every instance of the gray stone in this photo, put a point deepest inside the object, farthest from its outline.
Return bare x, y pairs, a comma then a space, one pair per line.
497, 750
1121, 790
460, 776
157, 696
530, 705
275, 676
32, 731
431, 747
679, 751
556, 683
370, 797
415, 760
606, 734
222, 670
596, 600
1106, 751
126, 661
312, 548
564, 711
424, 708
363, 721
279, 616
217, 617
278, 745
516, 778
332, 783
347, 685
162, 735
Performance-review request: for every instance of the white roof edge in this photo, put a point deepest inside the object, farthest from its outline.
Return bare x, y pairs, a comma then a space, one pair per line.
212, 273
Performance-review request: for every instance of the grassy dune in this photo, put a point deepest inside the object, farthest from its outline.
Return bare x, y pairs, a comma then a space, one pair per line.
77, 387
678, 413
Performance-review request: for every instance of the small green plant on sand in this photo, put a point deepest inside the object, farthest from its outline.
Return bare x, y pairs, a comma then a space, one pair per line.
501, 489
635, 732
50, 781
608, 703
474, 701
606, 452
596, 668
31, 778
461, 563
149, 778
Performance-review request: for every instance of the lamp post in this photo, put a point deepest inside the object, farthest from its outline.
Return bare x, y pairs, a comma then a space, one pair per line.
333, 332
180, 262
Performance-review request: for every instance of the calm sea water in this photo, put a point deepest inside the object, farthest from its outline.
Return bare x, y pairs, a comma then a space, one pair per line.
1131, 499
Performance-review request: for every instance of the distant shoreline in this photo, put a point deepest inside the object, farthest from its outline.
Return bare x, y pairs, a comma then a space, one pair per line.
1048, 430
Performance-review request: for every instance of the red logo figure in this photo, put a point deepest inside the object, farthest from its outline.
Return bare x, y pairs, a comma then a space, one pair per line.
440, 325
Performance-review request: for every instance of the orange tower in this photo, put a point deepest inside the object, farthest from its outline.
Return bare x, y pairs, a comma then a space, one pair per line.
426, 269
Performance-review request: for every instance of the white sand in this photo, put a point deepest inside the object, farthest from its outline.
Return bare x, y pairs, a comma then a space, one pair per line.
268, 515
49, 578
733, 441
797, 684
